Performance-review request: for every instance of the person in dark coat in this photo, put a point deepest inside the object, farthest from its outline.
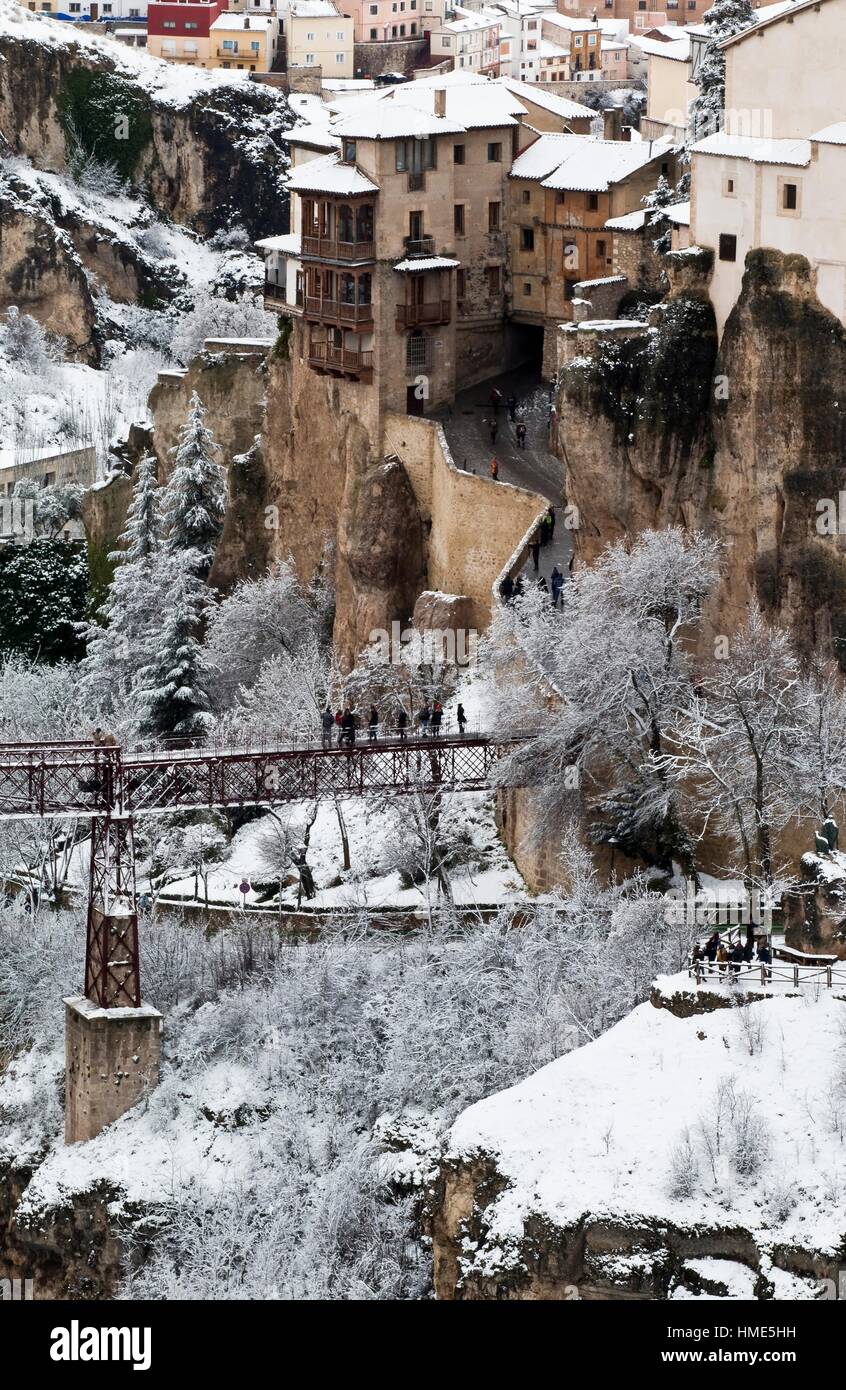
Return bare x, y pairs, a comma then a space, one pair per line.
437, 718
551, 515
521, 434
712, 945
327, 722
373, 723
736, 958
348, 727
423, 719
506, 588
556, 584
546, 529
512, 406
461, 717
339, 724
493, 426
402, 723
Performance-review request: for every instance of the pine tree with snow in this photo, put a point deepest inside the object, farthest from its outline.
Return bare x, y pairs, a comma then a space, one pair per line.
661, 197
727, 17
173, 686
195, 494
122, 642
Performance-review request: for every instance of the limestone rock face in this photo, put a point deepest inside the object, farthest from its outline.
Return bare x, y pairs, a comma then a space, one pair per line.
207, 163
380, 549
815, 911
42, 275
662, 430
436, 612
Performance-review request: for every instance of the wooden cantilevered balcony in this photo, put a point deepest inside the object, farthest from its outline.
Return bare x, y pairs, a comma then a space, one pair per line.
341, 361
339, 311
331, 249
414, 315
275, 301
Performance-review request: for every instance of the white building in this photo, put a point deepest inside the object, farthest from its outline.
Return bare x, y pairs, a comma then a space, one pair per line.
782, 185
470, 40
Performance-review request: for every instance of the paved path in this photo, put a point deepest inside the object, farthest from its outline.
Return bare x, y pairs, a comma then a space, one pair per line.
467, 428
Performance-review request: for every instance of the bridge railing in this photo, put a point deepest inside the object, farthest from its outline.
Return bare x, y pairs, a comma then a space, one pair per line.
301, 738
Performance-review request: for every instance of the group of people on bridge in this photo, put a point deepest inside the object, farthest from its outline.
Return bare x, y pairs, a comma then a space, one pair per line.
345, 723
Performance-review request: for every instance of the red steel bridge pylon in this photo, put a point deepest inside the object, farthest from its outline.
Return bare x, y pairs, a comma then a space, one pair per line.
109, 785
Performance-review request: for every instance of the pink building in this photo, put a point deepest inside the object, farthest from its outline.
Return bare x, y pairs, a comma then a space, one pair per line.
379, 20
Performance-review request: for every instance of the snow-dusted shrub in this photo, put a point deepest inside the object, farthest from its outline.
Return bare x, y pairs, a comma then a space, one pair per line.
685, 1178
216, 317
27, 344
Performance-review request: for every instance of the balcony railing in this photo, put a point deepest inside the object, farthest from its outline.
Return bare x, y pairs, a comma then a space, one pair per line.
411, 315
330, 249
336, 309
340, 359
419, 246
275, 297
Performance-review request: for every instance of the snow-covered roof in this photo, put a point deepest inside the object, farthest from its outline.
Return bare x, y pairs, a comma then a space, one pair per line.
391, 120
678, 213
547, 48
289, 245
474, 106
244, 22
678, 50
548, 101
467, 23
771, 14
758, 151
313, 137
565, 21
314, 9
832, 134
329, 175
542, 156
629, 222
594, 166
418, 263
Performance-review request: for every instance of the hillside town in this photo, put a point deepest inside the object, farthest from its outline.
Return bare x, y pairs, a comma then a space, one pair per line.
422, 652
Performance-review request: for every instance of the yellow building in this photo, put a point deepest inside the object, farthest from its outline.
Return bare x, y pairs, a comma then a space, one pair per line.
320, 36
247, 41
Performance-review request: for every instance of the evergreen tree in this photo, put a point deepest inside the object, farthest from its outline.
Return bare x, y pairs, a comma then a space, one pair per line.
661, 197
43, 596
173, 685
195, 495
727, 17
122, 642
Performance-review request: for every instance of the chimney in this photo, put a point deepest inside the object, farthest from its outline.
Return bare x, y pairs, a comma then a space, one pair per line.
612, 123
440, 101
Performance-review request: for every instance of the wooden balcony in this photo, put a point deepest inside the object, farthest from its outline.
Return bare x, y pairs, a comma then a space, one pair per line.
413, 315
337, 311
330, 249
325, 357
275, 301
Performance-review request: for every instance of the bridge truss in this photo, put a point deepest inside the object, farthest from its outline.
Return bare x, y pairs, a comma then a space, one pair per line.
111, 785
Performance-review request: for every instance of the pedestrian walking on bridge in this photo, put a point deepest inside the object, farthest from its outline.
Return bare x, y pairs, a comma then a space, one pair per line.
327, 725
521, 434
373, 724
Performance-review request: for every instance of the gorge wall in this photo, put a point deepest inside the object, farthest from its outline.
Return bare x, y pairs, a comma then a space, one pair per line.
659, 428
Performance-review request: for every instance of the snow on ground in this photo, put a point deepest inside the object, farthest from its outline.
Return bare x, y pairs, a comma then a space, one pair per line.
593, 1134
171, 83
491, 879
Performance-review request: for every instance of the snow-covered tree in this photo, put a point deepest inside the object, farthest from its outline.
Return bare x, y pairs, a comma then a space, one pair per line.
661, 197
725, 18
215, 316
123, 642
742, 740
202, 845
260, 621
195, 493
27, 344
52, 507
173, 686
617, 657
